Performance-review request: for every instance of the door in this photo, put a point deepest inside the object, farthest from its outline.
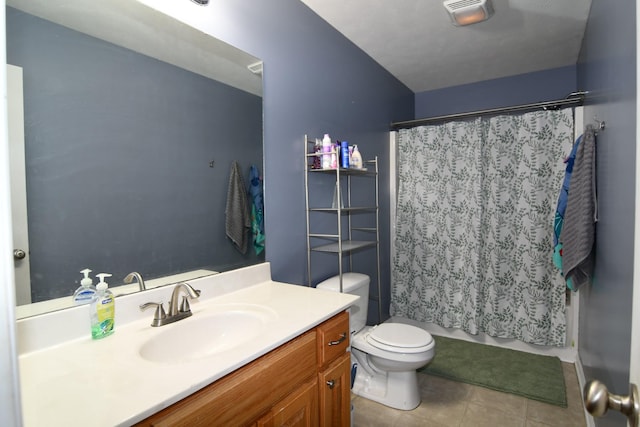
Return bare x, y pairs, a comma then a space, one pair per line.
335, 393
634, 364
633, 405
299, 409
15, 117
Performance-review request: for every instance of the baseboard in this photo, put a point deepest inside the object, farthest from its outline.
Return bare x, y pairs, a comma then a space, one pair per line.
582, 381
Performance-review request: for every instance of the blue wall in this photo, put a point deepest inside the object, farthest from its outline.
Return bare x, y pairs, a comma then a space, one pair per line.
607, 68
539, 86
315, 82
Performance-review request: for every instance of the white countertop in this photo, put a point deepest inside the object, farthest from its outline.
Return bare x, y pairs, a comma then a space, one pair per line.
72, 380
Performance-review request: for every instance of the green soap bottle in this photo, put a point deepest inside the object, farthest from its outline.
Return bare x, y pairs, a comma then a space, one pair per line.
102, 309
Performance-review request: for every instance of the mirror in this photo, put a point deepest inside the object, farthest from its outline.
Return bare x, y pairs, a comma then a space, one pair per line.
132, 121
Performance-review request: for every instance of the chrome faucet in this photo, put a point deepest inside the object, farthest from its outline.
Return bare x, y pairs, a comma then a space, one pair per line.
177, 310
184, 306
135, 275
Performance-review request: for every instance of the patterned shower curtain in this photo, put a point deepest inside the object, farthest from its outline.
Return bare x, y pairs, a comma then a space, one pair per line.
474, 227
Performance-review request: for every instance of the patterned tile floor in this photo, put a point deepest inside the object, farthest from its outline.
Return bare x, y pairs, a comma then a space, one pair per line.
448, 403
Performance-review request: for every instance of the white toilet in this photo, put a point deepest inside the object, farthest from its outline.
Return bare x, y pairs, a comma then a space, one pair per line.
386, 355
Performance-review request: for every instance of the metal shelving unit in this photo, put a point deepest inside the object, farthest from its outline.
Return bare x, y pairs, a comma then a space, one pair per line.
341, 243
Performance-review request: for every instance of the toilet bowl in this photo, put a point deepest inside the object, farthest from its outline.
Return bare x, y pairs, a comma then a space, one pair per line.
386, 371
386, 355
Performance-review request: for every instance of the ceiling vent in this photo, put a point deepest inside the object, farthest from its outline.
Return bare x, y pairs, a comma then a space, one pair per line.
467, 12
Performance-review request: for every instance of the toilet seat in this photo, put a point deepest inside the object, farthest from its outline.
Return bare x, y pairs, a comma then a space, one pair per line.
400, 338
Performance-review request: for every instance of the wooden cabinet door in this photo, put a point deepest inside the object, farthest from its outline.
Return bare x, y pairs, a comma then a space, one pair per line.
243, 395
299, 409
335, 393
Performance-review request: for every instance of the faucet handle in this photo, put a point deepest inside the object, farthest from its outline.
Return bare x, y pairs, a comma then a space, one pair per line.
184, 306
159, 316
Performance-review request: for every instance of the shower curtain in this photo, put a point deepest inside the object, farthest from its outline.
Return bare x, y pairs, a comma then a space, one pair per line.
474, 225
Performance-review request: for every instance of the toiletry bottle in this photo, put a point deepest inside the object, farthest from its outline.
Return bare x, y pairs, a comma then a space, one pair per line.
102, 310
344, 154
326, 152
86, 291
356, 158
317, 150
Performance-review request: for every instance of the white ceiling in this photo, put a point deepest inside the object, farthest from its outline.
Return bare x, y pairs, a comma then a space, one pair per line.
416, 41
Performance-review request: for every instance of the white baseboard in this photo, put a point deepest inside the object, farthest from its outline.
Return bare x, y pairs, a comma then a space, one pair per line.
582, 381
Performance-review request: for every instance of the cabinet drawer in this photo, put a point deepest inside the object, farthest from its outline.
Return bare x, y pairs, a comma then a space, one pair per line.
333, 338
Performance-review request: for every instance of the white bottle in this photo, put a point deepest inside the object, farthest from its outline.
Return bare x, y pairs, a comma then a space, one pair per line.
326, 151
102, 310
86, 291
356, 158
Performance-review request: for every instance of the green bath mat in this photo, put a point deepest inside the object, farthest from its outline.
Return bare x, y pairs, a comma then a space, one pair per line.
524, 374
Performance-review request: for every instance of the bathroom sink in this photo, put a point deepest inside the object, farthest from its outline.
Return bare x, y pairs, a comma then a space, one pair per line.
206, 333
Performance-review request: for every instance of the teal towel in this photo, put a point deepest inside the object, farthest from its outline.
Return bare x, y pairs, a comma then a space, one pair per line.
257, 210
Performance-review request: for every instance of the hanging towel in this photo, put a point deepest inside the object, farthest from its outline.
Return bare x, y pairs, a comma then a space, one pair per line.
237, 221
562, 207
578, 230
257, 210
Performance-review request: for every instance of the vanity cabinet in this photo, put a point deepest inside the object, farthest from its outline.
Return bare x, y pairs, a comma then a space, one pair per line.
287, 386
334, 367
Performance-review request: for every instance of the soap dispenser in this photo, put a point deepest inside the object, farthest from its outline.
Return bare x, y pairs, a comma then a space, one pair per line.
102, 310
86, 291
356, 158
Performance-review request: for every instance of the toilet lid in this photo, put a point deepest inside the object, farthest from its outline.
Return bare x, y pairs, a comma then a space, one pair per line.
403, 337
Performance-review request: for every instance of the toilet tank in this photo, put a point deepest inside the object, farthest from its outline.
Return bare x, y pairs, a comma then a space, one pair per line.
354, 284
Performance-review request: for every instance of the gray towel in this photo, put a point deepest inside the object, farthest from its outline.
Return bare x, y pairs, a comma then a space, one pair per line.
578, 231
237, 221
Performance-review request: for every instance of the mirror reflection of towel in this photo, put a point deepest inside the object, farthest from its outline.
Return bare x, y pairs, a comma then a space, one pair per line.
238, 220
257, 210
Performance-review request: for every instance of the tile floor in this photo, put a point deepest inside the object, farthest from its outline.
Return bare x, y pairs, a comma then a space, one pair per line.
448, 403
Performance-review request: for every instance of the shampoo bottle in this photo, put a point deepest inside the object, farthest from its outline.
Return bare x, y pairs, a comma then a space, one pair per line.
344, 154
102, 310
356, 158
86, 291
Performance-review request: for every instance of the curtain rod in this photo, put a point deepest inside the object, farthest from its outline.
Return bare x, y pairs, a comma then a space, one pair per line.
574, 98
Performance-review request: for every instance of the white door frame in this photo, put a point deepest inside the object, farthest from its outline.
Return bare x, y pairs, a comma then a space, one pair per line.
10, 407
17, 168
